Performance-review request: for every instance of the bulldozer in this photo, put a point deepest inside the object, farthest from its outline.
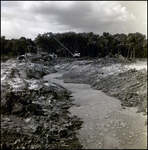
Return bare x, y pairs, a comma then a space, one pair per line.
75, 55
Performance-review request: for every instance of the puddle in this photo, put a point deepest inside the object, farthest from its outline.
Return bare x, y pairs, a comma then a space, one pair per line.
106, 125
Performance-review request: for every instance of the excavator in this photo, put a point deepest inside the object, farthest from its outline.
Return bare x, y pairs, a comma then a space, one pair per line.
75, 55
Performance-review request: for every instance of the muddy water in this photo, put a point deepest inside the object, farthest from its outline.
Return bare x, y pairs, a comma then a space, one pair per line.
106, 125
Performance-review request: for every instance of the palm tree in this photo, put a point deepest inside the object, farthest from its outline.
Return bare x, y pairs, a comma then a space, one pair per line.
136, 41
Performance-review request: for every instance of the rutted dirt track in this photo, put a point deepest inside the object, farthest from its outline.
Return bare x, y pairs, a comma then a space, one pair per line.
106, 125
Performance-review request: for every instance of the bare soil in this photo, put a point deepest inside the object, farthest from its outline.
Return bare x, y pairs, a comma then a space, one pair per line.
106, 125
35, 113
117, 77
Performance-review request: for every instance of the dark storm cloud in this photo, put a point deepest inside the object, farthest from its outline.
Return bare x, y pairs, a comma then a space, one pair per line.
73, 15
28, 18
79, 15
63, 8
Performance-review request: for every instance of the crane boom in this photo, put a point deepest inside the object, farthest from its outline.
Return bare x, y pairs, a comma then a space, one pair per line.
63, 46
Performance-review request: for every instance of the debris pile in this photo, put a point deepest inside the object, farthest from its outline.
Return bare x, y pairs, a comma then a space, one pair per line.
34, 112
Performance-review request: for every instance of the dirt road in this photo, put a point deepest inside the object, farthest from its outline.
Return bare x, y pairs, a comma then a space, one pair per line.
106, 125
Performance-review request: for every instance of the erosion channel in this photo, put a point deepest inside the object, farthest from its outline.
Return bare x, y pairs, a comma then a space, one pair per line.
106, 124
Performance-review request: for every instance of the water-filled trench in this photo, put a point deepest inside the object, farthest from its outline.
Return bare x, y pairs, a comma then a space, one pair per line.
106, 125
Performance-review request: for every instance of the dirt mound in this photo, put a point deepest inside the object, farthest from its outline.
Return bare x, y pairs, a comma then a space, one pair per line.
34, 113
38, 70
38, 119
125, 80
130, 87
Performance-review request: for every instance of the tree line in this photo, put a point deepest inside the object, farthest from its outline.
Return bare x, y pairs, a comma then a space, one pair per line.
132, 45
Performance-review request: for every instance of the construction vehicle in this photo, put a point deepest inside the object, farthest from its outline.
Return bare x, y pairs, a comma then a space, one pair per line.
75, 55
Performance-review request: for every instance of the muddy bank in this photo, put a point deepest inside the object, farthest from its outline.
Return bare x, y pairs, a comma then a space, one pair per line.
130, 87
39, 114
39, 119
34, 112
105, 124
120, 78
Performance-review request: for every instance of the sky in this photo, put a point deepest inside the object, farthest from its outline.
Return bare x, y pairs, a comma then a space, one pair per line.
30, 18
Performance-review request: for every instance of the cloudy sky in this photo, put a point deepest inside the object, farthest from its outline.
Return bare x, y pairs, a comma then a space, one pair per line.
30, 18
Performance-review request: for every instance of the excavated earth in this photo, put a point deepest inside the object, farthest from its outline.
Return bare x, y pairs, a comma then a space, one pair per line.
35, 113
116, 116
116, 76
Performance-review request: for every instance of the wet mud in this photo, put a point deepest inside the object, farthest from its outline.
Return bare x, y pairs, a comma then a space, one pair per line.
106, 125
48, 104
